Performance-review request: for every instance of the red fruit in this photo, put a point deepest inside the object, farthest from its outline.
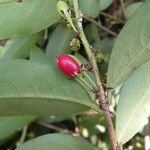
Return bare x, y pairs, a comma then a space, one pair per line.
68, 65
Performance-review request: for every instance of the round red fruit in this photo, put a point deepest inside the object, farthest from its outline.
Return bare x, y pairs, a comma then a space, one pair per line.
68, 65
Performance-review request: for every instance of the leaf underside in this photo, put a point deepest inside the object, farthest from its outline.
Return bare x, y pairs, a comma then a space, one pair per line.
134, 104
132, 47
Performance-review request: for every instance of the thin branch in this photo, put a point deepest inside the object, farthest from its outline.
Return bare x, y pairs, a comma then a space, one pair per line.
112, 18
23, 135
100, 26
50, 126
103, 103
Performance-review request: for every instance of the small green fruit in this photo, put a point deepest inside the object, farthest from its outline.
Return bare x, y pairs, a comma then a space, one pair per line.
99, 57
75, 44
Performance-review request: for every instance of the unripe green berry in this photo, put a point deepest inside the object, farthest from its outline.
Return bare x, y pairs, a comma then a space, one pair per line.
75, 44
99, 57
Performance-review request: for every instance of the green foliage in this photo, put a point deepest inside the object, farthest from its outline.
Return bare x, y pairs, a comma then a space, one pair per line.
59, 42
19, 47
37, 55
134, 103
10, 125
131, 9
132, 47
39, 89
26, 17
98, 5
1, 51
57, 141
31, 84
129, 66
6, 1
104, 4
87, 5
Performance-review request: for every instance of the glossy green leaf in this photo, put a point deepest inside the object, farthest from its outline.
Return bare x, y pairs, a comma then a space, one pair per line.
35, 88
26, 17
19, 47
10, 125
57, 142
134, 104
132, 47
104, 4
59, 42
90, 7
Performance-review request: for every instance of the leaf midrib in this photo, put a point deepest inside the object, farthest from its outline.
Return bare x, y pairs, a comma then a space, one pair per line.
88, 104
130, 63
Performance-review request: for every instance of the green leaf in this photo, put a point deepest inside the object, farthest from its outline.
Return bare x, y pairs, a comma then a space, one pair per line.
132, 47
32, 88
26, 17
134, 104
104, 4
37, 55
57, 142
59, 42
19, 47
5, 1
90, 124
90, 7
10, 125
92, 33
131, 9
1, 51
106, 46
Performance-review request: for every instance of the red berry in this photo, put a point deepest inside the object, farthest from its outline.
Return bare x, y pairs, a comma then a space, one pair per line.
68, 65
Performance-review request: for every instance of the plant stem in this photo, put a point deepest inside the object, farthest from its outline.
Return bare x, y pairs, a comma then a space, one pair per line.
50, 126
103, 103
112, 17
23, 136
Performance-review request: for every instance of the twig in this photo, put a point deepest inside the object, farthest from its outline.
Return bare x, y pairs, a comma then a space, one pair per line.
103, 103
100, 26
112, 17
50, 126
23, 135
